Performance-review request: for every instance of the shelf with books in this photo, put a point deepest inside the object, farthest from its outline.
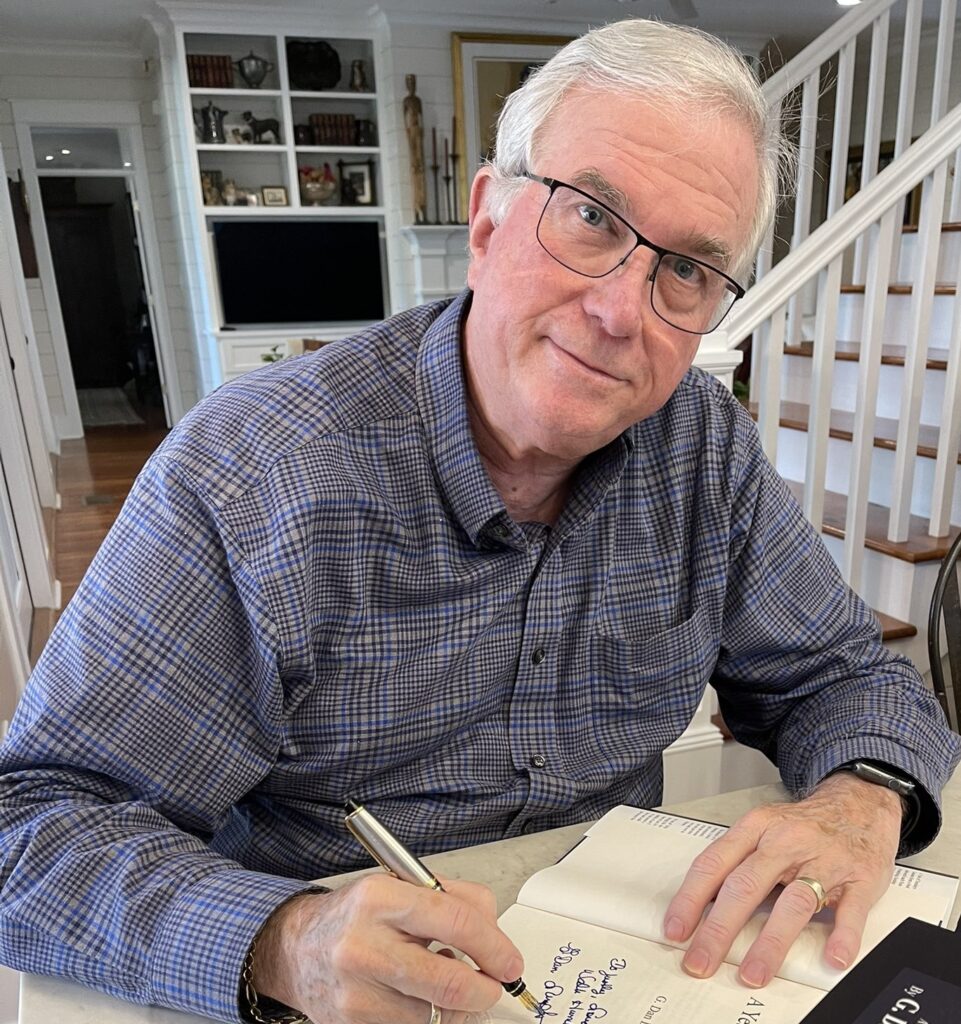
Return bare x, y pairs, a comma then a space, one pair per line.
285, 154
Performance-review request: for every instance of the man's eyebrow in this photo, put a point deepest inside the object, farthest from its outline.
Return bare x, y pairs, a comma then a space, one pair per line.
595, 182
706, 247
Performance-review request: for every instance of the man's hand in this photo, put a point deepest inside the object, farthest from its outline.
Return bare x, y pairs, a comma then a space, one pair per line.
845, 835
359, 954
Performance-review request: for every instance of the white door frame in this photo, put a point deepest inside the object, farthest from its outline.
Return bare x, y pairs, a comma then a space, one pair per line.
35, 547
123, 116
22, 342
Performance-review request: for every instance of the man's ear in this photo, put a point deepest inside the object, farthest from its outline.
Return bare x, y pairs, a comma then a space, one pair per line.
481, 225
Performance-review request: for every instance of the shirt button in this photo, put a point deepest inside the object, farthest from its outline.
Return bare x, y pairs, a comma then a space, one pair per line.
501, 532
538, 761
529, 827
538, 655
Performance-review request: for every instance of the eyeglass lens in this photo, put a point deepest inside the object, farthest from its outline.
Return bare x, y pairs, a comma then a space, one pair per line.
590, 240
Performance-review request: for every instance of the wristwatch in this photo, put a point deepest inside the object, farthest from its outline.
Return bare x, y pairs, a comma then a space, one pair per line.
905, 788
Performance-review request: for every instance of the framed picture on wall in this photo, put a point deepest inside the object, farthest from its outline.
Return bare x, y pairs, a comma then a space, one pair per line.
488, 67
852, 179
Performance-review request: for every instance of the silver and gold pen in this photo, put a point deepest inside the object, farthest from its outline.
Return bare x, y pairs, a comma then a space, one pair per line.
391, 854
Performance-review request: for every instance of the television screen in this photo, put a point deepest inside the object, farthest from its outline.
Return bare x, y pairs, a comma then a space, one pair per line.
304, 272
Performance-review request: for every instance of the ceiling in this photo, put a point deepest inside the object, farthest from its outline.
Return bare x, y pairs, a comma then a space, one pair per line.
118, 24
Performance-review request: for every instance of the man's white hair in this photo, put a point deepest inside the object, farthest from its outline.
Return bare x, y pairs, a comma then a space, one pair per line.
682, 68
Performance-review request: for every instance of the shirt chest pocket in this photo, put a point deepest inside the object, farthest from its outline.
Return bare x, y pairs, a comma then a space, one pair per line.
650, 689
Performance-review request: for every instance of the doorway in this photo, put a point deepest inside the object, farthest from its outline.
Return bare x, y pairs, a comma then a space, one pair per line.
78, 155
94, 248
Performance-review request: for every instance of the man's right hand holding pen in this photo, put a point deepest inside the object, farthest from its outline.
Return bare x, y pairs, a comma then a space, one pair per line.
359, 955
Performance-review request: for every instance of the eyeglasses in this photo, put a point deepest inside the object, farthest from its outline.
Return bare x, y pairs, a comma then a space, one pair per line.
588, 237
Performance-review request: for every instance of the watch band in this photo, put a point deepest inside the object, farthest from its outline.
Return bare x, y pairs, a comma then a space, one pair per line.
904, 787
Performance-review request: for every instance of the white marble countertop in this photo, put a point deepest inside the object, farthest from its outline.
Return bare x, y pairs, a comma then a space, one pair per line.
504, 866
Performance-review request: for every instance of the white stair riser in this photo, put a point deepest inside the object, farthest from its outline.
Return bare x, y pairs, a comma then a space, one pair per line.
792, 452
948, 257
897, 320
796, 387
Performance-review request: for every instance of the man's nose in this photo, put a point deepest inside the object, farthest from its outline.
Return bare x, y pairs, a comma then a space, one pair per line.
621, 300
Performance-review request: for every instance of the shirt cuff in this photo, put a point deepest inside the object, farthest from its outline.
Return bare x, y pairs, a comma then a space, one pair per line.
205, 935
900, 762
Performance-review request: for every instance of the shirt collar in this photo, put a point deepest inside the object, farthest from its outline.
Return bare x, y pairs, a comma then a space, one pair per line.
442, 402
461, 476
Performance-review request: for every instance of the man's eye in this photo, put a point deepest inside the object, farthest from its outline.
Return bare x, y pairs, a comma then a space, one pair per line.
686, 270
592, 216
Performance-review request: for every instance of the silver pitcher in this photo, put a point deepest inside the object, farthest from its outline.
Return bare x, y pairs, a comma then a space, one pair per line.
212, 123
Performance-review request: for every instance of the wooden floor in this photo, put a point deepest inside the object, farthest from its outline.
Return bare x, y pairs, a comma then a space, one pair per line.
94, 475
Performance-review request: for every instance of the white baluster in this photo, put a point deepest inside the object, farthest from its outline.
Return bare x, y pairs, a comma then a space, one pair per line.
762, 266
942, 65
949, 438
822, 380
837, 173
872, 123
880, 243
922, 300
769, 396
805, 186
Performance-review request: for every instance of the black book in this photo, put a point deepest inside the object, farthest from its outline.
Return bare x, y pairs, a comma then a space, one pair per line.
913, 976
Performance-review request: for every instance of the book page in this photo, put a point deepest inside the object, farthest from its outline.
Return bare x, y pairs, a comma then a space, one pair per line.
623, 875
581, 974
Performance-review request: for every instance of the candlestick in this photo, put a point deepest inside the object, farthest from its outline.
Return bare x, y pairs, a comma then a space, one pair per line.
454, 157
450, 207
434, 168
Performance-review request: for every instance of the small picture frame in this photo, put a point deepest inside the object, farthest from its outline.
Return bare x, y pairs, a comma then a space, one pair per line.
274, 195
357, 183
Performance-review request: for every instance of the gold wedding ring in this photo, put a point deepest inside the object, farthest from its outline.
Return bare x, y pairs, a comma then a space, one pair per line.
435, 1014
815, 886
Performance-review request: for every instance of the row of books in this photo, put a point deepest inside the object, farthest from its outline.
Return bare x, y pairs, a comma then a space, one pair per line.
210, 71
335, 130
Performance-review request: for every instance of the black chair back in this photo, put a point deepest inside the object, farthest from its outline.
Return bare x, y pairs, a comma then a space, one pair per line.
946, 608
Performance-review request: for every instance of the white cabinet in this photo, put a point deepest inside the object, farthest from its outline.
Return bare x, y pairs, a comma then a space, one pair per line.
241, 351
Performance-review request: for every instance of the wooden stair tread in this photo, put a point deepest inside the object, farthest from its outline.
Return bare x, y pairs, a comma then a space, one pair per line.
895, 629
912, 229
898, 289
891, 355
919, 547
794, 416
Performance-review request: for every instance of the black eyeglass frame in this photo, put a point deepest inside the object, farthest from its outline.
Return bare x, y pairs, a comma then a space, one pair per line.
555, 183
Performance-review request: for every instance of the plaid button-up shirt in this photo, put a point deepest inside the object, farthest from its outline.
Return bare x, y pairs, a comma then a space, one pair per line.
314, 591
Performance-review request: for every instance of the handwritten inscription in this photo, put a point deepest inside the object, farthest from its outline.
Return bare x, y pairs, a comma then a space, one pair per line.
592, 984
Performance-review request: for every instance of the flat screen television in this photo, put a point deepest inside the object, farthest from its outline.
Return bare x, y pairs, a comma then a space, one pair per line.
280, 273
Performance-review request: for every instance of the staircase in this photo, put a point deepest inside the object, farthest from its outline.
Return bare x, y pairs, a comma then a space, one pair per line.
856, 332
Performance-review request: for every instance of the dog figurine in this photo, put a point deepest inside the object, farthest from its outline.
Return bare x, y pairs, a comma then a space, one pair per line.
260, 126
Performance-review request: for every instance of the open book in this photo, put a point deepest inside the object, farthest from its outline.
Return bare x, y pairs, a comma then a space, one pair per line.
590, 929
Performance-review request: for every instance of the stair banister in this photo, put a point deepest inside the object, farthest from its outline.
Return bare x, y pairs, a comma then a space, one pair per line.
832, 237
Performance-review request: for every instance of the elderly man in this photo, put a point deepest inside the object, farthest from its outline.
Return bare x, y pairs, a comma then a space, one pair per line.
474, 567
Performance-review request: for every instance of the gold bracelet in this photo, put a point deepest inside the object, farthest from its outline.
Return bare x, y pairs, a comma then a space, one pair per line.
282, 1016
